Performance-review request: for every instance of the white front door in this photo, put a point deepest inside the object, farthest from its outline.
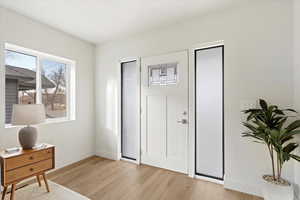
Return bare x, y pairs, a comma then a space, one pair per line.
164, 98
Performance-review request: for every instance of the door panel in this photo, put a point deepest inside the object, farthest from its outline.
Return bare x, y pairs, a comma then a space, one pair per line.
209, 112
175, 146
164, 136
156, 107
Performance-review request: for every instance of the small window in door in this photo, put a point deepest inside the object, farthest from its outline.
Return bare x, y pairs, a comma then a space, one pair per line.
163, 74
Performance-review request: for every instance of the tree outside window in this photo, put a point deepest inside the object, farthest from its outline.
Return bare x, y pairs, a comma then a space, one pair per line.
54, 98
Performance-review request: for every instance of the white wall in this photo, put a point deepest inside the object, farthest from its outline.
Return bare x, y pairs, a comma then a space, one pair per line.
74, 140
258, 63
296, 76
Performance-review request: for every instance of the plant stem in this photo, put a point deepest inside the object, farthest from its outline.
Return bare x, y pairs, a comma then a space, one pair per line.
272, 159
278, 167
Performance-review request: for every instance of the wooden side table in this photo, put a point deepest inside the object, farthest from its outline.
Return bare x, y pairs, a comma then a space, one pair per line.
24, 164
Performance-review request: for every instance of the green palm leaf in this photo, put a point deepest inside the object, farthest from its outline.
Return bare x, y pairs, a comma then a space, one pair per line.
294, 125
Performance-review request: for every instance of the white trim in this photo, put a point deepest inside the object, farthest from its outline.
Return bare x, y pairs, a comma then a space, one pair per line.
55, 120
209, 179
33, 52
38, 79
207, 45
191, 150
129, 160
129, 59
70, 79
71, 91
51, 121
192, 170
138, 65
2, 82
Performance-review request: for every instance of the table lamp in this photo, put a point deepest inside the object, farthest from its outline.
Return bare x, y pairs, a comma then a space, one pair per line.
27, 115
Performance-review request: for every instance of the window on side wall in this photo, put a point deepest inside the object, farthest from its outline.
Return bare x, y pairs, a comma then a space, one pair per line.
32, 77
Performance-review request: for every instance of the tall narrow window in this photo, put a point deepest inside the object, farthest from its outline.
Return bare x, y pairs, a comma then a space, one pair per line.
209, 112
130, 110
33, 77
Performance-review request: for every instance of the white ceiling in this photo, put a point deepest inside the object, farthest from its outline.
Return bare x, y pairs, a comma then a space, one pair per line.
101, 20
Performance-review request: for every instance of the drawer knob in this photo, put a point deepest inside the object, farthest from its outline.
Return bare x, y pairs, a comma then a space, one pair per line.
31, 158
31, 169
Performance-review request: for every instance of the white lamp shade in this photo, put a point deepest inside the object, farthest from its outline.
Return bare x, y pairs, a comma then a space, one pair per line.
28, 114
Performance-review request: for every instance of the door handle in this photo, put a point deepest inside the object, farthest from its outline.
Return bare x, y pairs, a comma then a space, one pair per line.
183, 121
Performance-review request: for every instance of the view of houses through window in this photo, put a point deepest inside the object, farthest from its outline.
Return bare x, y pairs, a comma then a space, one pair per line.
21, 83
20, 80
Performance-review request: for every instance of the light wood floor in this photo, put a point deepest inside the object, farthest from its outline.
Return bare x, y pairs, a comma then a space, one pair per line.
102, 179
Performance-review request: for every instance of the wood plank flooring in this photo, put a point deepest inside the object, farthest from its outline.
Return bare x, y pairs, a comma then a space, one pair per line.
103, 179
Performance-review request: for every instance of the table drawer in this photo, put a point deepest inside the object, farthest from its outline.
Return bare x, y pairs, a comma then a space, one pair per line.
26, 159
24, 172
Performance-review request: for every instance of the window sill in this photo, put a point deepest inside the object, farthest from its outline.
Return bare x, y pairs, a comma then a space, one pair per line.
48, 121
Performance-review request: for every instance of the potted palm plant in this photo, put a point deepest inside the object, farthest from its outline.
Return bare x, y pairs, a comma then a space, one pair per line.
268, 125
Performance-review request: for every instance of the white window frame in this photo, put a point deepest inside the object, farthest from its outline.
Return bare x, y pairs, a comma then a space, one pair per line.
70, 79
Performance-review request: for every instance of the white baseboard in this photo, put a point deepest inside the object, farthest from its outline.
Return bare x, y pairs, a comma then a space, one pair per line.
108, 155
254, 189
